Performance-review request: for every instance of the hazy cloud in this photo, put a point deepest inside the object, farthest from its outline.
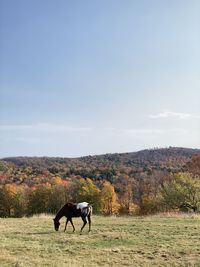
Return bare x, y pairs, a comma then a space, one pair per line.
174, 115
62, 140
44, 127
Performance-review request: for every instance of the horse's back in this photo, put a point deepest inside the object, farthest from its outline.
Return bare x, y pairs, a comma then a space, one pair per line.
78, 209
82, 205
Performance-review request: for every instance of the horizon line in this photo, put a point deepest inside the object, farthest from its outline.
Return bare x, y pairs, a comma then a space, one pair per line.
93, 155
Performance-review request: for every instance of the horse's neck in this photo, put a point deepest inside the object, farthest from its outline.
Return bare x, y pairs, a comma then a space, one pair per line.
60, 214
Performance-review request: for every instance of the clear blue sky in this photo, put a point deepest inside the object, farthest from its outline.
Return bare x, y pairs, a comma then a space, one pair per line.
98, 76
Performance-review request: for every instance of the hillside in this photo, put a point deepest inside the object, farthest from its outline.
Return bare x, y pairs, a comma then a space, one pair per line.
157, 158
109, 166
153, 158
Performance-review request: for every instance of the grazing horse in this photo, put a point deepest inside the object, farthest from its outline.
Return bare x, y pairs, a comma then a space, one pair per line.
70, 210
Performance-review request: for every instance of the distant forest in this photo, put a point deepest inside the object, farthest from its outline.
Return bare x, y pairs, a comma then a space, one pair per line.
143, 182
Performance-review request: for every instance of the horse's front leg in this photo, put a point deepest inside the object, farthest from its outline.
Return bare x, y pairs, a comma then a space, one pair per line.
72, 224
66, 224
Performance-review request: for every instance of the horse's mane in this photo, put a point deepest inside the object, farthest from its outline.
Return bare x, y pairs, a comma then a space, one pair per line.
60, 213
69, 204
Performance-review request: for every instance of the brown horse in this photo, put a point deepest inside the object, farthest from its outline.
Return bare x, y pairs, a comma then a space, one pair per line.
70, 210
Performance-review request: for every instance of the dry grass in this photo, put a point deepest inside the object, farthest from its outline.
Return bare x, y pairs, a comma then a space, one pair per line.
162, 240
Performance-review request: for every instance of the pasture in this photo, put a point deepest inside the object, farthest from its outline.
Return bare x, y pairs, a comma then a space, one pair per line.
114, 241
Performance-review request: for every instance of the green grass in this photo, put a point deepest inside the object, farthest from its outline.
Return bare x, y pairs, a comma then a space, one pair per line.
114, 241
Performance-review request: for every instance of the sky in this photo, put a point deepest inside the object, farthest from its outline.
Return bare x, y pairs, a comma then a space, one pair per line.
98, 76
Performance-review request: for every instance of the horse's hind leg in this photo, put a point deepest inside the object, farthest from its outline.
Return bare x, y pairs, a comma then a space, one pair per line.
84, 222
89, 220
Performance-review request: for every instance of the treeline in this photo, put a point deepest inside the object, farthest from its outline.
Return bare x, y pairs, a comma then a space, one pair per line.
131, 196
17, 201
165, 159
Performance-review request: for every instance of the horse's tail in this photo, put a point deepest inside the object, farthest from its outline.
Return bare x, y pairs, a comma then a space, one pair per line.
89, 210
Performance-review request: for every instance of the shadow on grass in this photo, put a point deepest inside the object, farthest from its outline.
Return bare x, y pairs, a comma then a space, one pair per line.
41, 233
57, 233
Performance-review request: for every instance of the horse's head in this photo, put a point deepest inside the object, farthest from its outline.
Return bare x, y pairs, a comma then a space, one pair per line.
56, 224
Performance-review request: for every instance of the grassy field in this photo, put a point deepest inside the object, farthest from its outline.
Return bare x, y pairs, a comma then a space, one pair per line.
114, 241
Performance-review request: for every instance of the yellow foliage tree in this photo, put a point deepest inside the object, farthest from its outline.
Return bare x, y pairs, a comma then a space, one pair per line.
56, 180
11, 201
109, 200
10, 191
87, 191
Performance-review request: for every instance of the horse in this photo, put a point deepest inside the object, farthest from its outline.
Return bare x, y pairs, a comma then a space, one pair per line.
70, 210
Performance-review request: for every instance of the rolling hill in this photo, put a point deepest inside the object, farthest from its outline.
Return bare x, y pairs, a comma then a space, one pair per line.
158, 158
109, 166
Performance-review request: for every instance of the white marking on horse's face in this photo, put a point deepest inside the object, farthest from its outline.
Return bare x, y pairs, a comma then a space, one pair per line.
82, 205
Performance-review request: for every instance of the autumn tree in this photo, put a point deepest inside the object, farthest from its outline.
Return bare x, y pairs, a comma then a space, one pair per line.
147, 190
109, 200
126, 195
86, 190
193, 166
183, 192
4, 207
11, 201
57, 195
38, 199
